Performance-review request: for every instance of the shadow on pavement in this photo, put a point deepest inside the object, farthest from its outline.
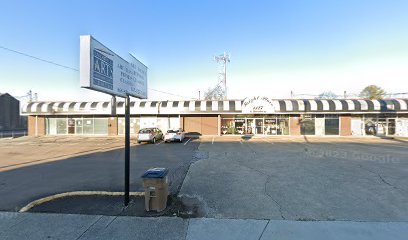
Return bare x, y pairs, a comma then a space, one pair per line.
99, 171
393, 139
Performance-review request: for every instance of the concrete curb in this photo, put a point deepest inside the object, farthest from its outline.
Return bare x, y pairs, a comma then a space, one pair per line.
75, 193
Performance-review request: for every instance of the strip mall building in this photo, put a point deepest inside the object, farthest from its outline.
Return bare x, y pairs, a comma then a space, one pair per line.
254, 115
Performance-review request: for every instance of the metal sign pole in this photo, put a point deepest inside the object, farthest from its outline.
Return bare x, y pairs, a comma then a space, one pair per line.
127, 148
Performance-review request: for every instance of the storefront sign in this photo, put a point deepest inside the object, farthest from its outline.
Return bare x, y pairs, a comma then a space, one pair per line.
270, 121
257, 105
103, 70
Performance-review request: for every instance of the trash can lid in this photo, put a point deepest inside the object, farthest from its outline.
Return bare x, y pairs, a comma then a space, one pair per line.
155, 173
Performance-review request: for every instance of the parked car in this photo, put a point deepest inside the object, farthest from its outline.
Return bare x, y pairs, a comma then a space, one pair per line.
174, 135
149, 135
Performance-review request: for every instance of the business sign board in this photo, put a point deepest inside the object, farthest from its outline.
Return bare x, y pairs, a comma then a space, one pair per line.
104, 71
257, 104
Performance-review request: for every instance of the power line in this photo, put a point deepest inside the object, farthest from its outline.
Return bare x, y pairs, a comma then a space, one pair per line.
37, 58
349, 95
71, 68
170, 93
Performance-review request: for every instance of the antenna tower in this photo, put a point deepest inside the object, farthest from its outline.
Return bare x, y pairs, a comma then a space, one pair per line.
223, 59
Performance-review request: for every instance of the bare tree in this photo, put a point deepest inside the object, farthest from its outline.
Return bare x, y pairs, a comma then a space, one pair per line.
327, 95
216, 93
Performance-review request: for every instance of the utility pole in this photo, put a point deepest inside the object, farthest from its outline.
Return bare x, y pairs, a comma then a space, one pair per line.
223, 59
30, 96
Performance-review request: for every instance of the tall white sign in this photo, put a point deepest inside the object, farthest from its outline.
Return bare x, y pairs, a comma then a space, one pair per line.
103, 70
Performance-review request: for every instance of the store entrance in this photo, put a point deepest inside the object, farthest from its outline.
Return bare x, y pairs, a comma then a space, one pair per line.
250, 129
391, 126
268, 125
258, 126
71, 126
254, 126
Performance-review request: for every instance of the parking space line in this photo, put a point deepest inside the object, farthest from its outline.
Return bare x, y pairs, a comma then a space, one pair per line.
187, 141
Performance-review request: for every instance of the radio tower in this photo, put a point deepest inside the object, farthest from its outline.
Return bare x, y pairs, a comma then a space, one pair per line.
223, 59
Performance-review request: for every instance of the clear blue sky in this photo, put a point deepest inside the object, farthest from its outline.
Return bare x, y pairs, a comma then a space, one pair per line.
275, 46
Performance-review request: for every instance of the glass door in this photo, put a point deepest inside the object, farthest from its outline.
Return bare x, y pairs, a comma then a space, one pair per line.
391, 126
250, 126
71, 126
78, 126
381, 127
259, 126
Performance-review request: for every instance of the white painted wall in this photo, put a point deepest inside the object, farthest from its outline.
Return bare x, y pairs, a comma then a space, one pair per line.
401, 127
319, 126
357, 126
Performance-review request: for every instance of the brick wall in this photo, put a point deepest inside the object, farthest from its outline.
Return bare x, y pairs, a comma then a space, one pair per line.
32, 131
345, 125
209, 125
201, 125
294, 125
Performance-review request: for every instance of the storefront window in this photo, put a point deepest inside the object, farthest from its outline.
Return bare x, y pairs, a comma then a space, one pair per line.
380, 125
307, 126
100, 126
270, 126
370, 126
146, 122
239, 126
331, 126
283, 127
121, 126
61, 126
88, 126
227, 126
51, 126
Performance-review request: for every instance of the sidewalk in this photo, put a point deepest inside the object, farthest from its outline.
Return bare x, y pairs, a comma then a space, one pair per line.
69, 226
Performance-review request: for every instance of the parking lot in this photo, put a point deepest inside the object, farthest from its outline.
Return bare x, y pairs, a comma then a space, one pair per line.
32, 168
294, 178
301, 179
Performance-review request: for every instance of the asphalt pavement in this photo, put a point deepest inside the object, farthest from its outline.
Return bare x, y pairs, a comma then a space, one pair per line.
102, 170
304, 179
281, 178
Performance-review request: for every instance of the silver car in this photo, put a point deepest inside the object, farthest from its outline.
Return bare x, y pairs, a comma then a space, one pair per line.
149, 135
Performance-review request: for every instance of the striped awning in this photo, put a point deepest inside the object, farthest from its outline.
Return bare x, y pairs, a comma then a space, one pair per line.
283, 106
